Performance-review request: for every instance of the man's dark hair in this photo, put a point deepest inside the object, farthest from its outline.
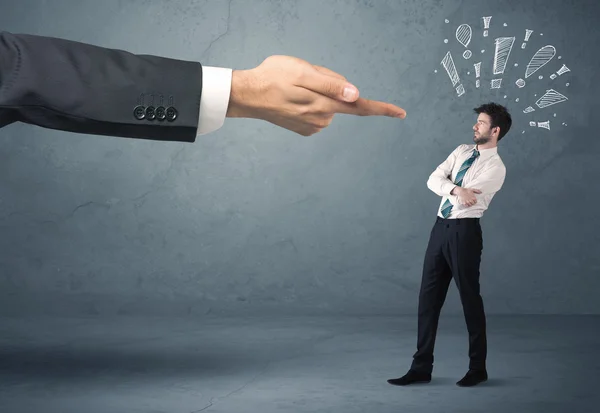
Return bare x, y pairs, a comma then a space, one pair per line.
499, 115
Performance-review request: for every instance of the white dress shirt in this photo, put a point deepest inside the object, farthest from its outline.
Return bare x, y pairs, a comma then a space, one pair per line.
216, 88
487, 174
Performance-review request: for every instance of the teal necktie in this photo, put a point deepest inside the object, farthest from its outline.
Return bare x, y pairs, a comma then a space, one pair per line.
447, 207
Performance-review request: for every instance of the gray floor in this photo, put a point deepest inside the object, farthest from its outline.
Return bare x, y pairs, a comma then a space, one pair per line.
123, 364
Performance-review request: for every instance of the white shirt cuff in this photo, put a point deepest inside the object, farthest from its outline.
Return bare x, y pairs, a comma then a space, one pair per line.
216, 88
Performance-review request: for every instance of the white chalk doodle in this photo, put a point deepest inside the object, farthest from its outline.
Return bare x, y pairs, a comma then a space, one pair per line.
545, 125
477, 69
539, 60
564, 69
448, 63
527, 35
503, 53
486, 25
446, 21
551, 97
463, 35
477, 74
503, 48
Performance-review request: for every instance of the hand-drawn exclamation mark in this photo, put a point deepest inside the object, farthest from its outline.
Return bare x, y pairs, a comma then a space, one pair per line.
527, 34
564, 69
448, 64
477, 74
486, 25
503, 48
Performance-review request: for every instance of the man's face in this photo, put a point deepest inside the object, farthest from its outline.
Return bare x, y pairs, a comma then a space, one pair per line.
482, 129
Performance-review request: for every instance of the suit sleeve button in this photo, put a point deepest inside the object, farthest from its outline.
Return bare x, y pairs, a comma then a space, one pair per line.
171, 113
161, 113
139, 112
150, 113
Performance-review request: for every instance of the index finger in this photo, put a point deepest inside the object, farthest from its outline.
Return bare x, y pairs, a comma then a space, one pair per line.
329, 72
367, 107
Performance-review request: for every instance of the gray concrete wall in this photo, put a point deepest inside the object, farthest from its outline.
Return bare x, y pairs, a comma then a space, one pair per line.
253, 218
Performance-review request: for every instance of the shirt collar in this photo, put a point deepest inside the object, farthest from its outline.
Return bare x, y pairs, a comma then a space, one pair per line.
485, 153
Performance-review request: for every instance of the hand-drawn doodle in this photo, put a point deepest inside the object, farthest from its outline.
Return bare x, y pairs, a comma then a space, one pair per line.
503, 48
539, 60
448, 63
564, 69
545, 125
463, 35
496, 83
551, 97
502, 54
486, 25
527, 35
477, 74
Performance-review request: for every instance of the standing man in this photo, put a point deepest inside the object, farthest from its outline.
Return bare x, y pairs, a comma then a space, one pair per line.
467, 181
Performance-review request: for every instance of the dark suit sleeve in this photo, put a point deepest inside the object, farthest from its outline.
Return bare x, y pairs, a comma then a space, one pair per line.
82, 88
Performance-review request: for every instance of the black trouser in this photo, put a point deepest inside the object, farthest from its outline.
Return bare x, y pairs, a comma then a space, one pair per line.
454, 251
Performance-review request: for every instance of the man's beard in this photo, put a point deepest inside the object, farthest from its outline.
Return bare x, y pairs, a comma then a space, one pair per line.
481, 139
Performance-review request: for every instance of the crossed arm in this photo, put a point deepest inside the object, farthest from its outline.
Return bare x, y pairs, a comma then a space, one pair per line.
485, 184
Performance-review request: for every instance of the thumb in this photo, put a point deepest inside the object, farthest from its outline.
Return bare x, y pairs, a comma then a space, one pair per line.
477, 191
333, 87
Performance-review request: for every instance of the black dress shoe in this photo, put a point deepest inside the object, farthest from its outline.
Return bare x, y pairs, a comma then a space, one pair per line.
472, 378
411, 377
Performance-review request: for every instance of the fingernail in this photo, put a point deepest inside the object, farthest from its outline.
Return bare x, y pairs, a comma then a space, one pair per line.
350, 93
